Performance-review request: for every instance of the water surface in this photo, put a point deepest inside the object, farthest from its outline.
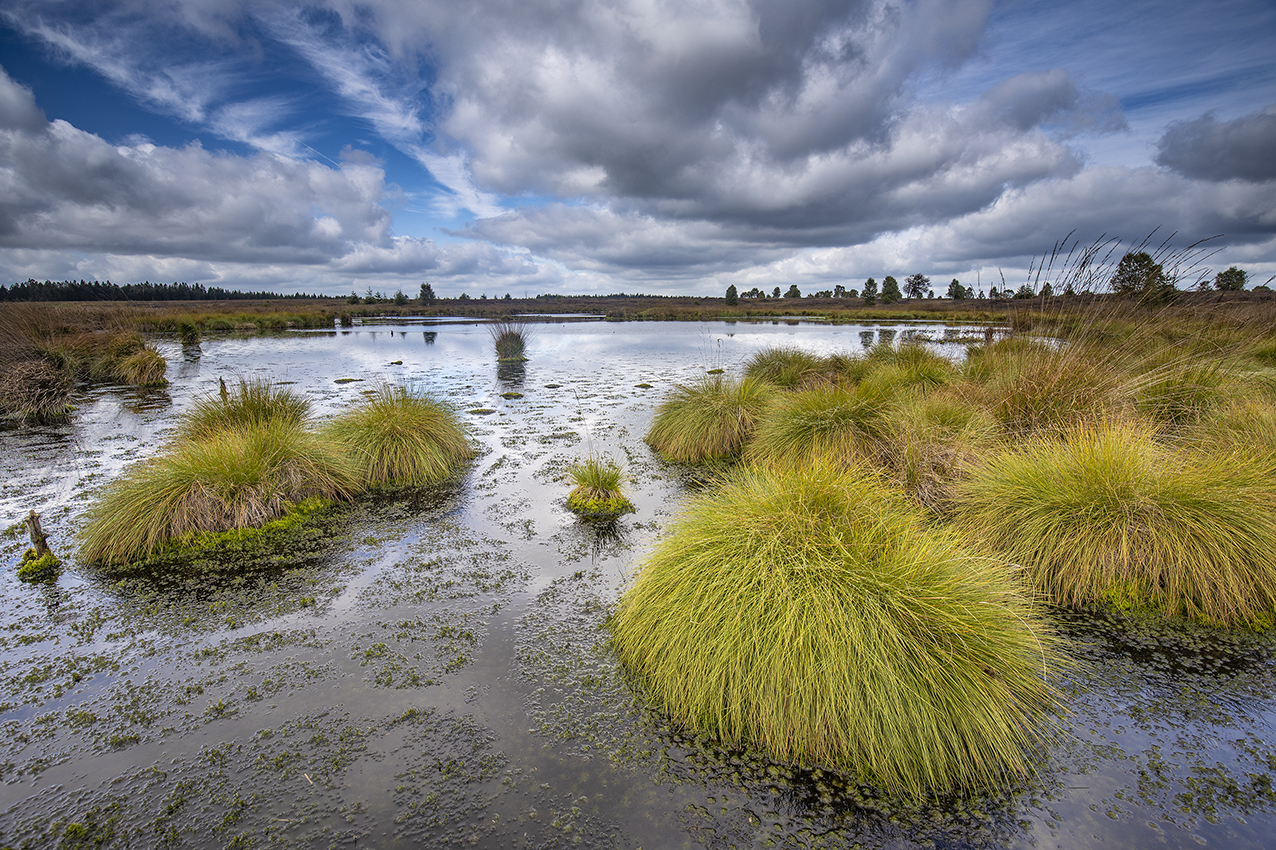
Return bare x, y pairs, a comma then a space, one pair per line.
430, 667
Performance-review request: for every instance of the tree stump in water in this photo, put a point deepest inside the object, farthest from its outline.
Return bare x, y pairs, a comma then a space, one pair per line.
38, 541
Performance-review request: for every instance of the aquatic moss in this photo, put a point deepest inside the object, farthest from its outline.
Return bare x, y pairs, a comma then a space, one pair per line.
36, 569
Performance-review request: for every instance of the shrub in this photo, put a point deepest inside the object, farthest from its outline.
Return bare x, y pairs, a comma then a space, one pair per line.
236, 477
400, 438
1109, 514
256, 401
597, 493
709, 420
812, 614
837, 422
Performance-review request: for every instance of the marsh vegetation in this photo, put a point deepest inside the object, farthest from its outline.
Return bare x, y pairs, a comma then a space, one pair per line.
406, 666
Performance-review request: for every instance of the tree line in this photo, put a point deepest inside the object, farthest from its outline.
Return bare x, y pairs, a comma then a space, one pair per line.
96, 290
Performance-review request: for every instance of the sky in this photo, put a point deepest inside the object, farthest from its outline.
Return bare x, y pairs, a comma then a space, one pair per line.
668, 147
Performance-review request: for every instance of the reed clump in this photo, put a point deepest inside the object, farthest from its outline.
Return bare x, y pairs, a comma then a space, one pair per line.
1110, 515
236, 477
397, 437
597, 492
510, 337
709, 420
811, 612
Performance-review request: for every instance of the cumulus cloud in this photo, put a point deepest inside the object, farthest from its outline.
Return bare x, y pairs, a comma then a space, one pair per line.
663, 143
1209, 149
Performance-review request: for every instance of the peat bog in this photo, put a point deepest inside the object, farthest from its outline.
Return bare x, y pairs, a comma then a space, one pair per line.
431, 665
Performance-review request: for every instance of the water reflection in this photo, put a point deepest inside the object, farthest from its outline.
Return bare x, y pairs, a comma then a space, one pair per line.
511, 372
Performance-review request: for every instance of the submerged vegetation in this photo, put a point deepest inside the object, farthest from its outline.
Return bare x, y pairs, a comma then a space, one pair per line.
809, 611
597, 492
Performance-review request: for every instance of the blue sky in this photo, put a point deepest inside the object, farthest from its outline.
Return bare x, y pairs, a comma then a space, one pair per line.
601, 146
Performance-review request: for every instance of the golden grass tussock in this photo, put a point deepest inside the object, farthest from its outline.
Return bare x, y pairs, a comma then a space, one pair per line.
398, 437
254, 401
709, 420
830, 421
931, 442
1033, 387
1111, 514
785, 367
810, 612
237, 477
598, 491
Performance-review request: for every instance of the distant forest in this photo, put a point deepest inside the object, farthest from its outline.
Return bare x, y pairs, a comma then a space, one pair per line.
93, 290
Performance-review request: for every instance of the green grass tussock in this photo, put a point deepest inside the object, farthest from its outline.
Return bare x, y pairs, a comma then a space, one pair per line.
256, 401
397, 437
785, 367
1111, 514
810, 612
710, 420
597, 493
236, 477
831, 421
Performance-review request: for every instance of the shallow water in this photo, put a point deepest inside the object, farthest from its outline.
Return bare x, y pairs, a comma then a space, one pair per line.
432, 667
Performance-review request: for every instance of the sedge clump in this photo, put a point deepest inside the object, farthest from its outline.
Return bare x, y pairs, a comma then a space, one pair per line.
811, 612
1110, 515
709, 420
398, 437
597, 493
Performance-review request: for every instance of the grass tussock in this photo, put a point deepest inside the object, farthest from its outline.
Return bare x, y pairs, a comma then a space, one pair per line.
510, 337
785, 367
1109, 514
236, 477
33, 391
255, 401
810, 612
710, 420
597, 491
831, 421
930, 444
398, 437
